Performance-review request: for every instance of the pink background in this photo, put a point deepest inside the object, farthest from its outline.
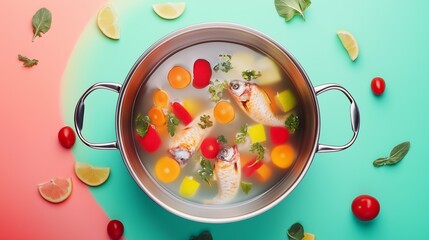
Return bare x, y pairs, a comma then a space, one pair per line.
31, 118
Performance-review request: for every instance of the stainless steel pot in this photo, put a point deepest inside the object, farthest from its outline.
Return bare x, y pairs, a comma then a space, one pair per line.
214, 32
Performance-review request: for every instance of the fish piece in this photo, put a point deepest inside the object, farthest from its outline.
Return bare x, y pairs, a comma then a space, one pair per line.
227, 171
187, 140
254, 101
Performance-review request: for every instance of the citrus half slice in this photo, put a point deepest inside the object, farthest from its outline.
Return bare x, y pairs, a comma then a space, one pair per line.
56, 190
169, 10
349, 43
309, 236
90, 175
108, 21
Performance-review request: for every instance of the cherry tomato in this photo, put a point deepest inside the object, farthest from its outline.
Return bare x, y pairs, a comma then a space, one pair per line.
115, 229
151, 140
365, 207
202, 73
378, 85
181, 113
210, 147
67, 137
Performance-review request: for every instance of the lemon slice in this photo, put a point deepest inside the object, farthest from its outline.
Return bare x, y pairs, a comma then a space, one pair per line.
349, 43
108, 21
309, 236
92, 176
56, 190
169, 10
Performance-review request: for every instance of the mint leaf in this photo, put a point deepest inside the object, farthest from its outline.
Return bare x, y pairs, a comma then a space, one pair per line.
289, 8
41, 21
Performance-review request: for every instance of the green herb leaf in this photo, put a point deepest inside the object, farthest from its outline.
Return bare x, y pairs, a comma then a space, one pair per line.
250, 74
224, 63
246, 186
396, 155
216, 89
259, 150
292, 123
142, 124
26, 61
205, 122
206, 171
295, 232
222, 139
288, 8
240, 137
172, 123
206, 235
42, 20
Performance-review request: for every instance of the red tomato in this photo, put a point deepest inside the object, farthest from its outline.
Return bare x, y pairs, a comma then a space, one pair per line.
250, 167
202, 73
181, 113
115, 229
365, 207
210, 147
279, 135
151, 140
378, 85
66, 137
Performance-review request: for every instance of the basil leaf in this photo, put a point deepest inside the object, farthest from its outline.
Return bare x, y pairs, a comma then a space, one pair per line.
206, 235
26, 61
396, 155
295, 232
42, 20
289, 8
142, 124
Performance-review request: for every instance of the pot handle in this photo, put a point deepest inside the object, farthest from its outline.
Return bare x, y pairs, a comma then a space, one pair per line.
80, 110
354, 117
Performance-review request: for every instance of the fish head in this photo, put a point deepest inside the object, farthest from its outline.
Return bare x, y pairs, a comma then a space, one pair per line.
240, 90
182, 156
228, 154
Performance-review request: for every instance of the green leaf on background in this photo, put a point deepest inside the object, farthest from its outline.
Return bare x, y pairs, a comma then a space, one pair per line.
295, 232
27, 62
289, 8
42, 20
396, 155
206, 235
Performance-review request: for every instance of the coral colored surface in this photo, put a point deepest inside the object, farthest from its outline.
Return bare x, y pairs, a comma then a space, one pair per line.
31, 118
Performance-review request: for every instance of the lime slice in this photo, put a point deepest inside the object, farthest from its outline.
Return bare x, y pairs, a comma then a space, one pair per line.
169, 10
108, 21
349, 43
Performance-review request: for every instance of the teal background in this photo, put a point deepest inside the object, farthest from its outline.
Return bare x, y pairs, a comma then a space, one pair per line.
393, 38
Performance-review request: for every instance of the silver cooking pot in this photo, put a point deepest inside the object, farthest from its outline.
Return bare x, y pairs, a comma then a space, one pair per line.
216, 32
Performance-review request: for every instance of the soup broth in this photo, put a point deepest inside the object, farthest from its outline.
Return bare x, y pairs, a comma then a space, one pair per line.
265, 152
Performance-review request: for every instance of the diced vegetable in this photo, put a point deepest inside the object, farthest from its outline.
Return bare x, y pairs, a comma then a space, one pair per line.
157, 116
210, 147
202, 73
151, 141
189, 187
283, 156
256, 133
286, 100
181, 113
246, 186
160, 98
279, 135
192, 105
251, 166
167, 169
178, 77
224, 112
263, 173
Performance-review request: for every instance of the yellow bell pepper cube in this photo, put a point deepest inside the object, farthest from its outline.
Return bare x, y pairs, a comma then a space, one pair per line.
189, 187
256, 133
286, 100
